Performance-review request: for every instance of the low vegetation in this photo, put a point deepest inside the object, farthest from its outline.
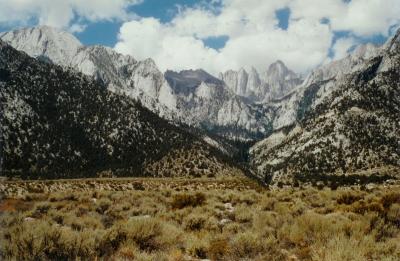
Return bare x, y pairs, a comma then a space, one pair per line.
217, 220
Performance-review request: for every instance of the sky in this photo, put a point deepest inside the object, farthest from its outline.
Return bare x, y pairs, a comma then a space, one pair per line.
216, 35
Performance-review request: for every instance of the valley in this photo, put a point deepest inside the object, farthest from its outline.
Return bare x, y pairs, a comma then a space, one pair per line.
106, 157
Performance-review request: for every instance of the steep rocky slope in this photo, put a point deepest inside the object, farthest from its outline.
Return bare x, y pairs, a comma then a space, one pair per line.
353, 127
140, 80
319, 83
272, 84
60, 123
208, 103
203, 101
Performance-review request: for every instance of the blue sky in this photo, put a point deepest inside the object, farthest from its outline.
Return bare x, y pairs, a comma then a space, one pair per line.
216, 34
106, 32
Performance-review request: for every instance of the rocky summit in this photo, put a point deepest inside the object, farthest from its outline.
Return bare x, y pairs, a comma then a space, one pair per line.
341, 118
57, 123
347, 124
193, 98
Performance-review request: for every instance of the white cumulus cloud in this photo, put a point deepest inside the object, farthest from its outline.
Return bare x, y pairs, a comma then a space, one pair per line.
251, 27
61, 13
342, 46
254, 38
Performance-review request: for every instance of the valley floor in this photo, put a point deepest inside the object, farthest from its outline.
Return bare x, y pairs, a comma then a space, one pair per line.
182, 219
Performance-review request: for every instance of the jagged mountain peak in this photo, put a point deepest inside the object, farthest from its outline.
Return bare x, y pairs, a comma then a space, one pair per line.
365, 51
344, 124
277, 64
392, 43
52, 43
253, 70
191, 78
278, 70
242, 70
150, 62
60, 123
45, 32
192, 97
274, 83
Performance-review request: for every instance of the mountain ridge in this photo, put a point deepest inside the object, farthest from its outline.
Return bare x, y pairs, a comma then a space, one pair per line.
141, 80
58, 123
352, 127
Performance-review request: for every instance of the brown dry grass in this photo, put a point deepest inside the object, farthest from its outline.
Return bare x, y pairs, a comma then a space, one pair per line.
192, 220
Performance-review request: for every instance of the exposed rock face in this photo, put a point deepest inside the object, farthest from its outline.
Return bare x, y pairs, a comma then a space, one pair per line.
206, 100
193, 98
347, 122
140, 80
274, 83
342, 118
60, 123
351, 63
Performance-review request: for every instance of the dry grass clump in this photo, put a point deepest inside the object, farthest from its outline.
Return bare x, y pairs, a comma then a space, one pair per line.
194, 222
348, 198
218, 248
147, 234
201, 221
390, 198
180, 201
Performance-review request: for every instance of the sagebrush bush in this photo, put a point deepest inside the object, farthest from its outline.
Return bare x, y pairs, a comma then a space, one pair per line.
194, 222
390, 198
182, 220
348, 198
246, 245
180, 201
218, 248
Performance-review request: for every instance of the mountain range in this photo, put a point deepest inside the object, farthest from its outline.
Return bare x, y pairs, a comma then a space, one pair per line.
58, 123
106, 110
274, 83
347, 122
207, 102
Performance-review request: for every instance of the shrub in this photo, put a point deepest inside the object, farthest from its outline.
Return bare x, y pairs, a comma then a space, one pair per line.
144, 233
393, 214
218, 248
390, 198
246, 245
41, 209
196, 247
243, 214
268, 203
148, 234
194, 222
361, 207
180, 201
348, 198
340, 247
41, 240
287, 224
102, 205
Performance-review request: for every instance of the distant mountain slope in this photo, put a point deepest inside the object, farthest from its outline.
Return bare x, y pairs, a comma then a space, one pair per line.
203, 101
319, 83
60, 123
354, 126
119, 73
274, 83
208, 103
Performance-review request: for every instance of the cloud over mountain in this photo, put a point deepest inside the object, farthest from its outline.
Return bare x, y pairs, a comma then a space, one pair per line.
72, 14
250, 32
254, 37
